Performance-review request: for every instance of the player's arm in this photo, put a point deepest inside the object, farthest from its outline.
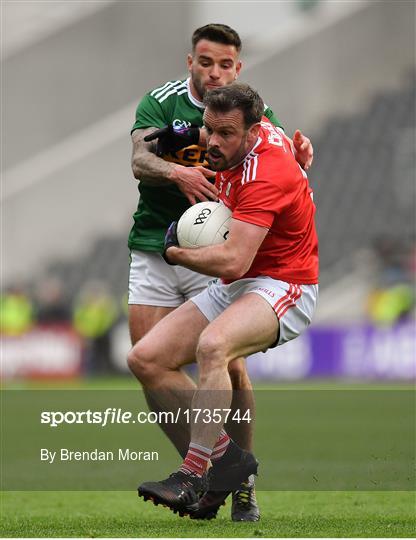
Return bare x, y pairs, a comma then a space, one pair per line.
146, 166
303, 148
230, 260
153, 170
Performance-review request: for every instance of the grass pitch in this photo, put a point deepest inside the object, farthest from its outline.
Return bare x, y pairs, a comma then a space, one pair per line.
284, 514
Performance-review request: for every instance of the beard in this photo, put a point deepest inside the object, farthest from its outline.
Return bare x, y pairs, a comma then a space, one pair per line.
219, 165
218, 162
199, 87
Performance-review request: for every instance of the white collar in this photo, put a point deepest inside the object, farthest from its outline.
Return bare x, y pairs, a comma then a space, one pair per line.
192, 99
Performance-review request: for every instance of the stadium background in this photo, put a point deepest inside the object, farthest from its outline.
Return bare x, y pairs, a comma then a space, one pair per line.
72, 74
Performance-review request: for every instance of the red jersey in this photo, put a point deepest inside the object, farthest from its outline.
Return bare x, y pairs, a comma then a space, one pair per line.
271, 190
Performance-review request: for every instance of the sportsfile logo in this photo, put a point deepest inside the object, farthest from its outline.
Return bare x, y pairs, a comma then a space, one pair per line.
202, 216
116, 415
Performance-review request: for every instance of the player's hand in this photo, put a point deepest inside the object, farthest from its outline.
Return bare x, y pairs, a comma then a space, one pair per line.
171, 239
303, 150
171, 139
194, 183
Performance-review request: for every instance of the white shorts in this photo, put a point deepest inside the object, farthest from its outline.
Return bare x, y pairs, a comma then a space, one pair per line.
153, 282
293, 304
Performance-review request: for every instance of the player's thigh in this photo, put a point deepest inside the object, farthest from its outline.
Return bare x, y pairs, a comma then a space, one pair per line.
173, 340
142, 318
247, 326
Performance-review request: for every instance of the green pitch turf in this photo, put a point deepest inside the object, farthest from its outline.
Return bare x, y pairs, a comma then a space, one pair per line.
284, 514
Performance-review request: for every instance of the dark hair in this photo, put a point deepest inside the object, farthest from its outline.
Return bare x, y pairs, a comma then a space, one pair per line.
236, 96
218, 33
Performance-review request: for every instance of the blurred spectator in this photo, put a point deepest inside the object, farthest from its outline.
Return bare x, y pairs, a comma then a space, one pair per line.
51, 304
16, 312
393, 297
94, 315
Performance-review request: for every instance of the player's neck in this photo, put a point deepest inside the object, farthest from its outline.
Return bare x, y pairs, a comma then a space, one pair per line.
250, 149
193, 92
253, 146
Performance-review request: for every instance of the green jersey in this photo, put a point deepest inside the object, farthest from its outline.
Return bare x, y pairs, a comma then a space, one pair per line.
158, 206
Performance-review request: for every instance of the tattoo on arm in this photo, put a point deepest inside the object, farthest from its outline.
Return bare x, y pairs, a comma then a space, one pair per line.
146, 166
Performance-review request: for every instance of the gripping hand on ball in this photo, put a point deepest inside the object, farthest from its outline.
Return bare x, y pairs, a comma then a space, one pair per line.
171, 240
171, 139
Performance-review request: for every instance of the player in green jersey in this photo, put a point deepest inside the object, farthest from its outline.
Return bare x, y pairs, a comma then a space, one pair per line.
174, 104
169, 184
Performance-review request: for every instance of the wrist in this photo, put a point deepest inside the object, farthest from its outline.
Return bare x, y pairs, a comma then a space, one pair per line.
174, 172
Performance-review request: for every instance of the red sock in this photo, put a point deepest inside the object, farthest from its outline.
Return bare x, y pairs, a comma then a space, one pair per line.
220, 446
196, 460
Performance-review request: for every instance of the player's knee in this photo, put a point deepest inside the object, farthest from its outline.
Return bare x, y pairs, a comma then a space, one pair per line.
211, 351
141, 362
